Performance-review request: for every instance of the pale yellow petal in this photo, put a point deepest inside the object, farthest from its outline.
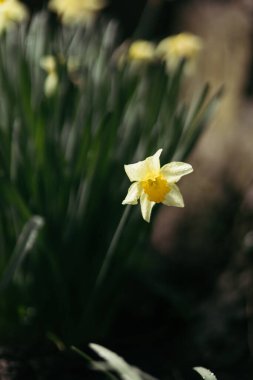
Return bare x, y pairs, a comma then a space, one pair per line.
11, 12
51, 84
153, 163
175, 170
174, 197
48, 63
178, 46
76, 11
136, 172
143, 170
141, 50
146, 207
133, 194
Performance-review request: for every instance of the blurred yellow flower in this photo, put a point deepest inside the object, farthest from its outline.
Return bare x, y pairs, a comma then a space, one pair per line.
76, 11
173, 49
11, 12
154, 184
48, 63
141, 50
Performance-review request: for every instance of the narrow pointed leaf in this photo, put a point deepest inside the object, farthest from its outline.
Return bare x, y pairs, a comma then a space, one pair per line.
25, 243
206, 374
118, 364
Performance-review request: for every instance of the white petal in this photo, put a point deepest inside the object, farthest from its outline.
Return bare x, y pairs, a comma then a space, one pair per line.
133, 194
175, 170
136, 172
153, 162
143, 169
174, 197
146, 207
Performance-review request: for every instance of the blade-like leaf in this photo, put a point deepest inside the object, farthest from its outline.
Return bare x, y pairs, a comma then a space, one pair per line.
206, 374
118, 364
25, 243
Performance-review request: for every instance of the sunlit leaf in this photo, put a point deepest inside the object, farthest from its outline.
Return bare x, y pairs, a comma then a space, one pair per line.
114, 362
206, 374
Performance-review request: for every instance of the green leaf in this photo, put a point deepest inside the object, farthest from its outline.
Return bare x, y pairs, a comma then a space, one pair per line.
25, 243
114, 362
10, 195
206, 374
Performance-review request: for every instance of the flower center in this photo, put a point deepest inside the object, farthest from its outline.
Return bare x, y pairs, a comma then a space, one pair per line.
156, 189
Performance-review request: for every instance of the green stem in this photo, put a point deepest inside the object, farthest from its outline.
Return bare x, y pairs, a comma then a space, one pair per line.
112, 247
89, 313
81, 353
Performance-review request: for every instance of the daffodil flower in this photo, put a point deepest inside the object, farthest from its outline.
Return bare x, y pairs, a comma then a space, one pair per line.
11, 12
48, 63
77, 11
173, 49
138, 53
142, 51
154, 184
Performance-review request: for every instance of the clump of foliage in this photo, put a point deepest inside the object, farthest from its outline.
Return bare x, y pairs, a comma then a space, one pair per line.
61, 172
